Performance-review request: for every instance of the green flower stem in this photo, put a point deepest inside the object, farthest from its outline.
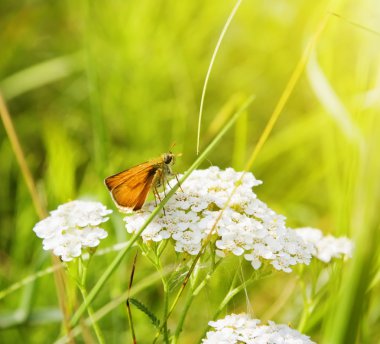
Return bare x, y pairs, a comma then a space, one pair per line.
165, 285
311, 299
82, 269
116, 302
166, 307
194, 293
231, 293
188, 303
176, 299
90, 312
306, 307
161, 247
235, 290
182, 318
117, 260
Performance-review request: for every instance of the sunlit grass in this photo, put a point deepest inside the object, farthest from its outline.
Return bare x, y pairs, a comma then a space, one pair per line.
93, 89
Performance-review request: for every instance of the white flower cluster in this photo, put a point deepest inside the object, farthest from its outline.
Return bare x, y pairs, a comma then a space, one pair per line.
240, 328
327, 247
246, 227
73, 226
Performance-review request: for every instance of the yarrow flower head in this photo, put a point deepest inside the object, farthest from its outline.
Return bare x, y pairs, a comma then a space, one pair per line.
240, 328
246, 227
72, 227
325, 248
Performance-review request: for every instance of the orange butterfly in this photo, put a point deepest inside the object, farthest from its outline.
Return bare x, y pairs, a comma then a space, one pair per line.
129, 189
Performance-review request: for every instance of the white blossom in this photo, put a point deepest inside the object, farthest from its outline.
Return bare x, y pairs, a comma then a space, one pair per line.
72, 227
244, 227
241, 328
325, 248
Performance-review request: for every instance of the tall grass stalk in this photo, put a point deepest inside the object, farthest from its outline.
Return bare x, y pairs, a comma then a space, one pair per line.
294, 78
41, 212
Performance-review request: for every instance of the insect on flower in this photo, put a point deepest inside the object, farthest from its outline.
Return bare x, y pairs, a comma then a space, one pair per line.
129, 189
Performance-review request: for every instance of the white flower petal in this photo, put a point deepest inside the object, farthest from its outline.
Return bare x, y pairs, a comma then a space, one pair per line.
71, 227
246, 225
325, 248
242, 329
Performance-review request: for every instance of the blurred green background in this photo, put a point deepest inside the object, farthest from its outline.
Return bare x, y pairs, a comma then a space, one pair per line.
96, 87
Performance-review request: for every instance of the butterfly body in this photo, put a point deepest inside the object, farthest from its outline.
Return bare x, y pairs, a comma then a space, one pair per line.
130, 188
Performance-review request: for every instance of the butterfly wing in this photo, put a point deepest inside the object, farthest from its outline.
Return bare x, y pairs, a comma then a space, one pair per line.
130, 188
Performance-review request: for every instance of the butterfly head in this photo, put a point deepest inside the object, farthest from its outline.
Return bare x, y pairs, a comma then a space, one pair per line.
168, 158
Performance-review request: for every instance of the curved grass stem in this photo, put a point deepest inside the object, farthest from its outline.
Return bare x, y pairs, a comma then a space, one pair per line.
224, 30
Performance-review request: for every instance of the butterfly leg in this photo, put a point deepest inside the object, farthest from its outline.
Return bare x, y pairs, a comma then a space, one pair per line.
157, 195
163, 180
176, 177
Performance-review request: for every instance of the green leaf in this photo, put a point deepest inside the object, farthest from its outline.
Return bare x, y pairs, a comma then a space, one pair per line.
139, 305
